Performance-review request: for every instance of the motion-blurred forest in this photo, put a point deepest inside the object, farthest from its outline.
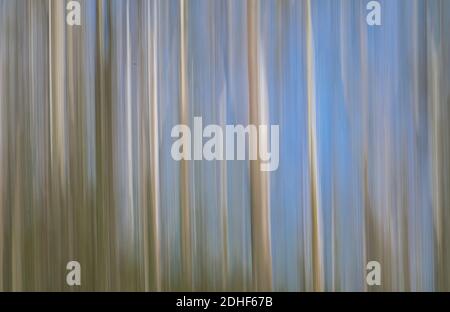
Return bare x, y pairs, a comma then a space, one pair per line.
86, 172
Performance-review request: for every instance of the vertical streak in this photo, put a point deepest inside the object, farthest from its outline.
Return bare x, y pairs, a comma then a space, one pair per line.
315, 203
50, 79
365, 145
58, 127
184, 175
155, 146
57, 82
260, 210
3, 149
129, 130
50, 57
